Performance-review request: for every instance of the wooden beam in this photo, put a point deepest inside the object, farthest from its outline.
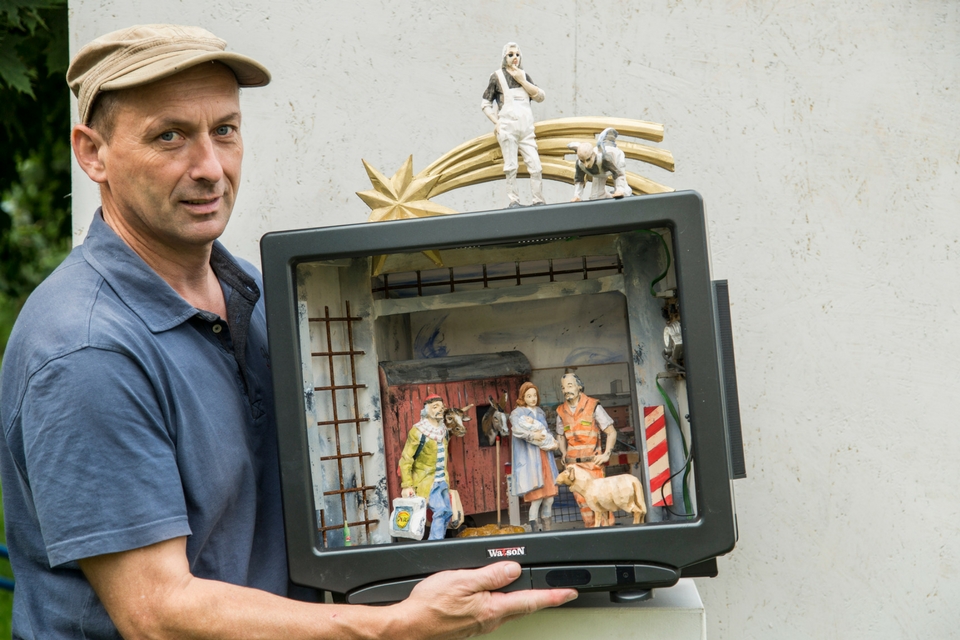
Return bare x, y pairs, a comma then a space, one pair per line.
603, 245
524, 292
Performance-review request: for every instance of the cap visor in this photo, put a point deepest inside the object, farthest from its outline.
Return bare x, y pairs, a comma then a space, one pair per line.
249, 72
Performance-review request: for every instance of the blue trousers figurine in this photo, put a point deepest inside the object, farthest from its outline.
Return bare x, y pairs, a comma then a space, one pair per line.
439, 505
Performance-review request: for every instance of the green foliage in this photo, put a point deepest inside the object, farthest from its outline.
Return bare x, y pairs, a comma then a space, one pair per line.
34, 149
34, 165
20, 20
37, 220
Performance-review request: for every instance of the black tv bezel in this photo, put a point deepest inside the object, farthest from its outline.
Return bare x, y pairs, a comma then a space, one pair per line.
675, 544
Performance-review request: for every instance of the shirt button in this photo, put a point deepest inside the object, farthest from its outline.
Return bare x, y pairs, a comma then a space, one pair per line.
217, 328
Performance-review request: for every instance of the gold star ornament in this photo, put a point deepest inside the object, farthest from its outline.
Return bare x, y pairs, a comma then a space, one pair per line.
401, 197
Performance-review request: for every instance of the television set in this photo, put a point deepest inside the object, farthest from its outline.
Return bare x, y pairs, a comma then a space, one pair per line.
368, 321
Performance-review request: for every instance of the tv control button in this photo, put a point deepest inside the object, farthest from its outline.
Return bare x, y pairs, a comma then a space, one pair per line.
626, 574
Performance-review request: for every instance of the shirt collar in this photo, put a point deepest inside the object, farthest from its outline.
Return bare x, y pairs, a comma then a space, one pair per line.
581, 404
438, 432
140, 288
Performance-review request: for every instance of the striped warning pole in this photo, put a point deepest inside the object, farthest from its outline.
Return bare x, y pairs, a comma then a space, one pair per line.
658, 462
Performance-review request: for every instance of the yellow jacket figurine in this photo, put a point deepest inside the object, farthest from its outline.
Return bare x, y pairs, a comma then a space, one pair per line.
423, 465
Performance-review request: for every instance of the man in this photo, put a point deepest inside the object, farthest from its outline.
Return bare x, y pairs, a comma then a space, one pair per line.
423, 465
512, 89
594, 163
139, 460
580, 421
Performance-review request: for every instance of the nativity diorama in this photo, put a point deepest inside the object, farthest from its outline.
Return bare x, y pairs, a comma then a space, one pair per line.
510, 388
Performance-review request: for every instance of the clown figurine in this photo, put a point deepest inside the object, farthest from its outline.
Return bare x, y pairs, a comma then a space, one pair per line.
423, 465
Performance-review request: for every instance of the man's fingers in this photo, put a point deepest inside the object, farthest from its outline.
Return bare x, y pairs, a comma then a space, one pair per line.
493, 577
509, 606
500, 575
470, 581
459, 603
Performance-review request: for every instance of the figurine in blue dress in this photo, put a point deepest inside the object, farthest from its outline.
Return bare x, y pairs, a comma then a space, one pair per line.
534, 469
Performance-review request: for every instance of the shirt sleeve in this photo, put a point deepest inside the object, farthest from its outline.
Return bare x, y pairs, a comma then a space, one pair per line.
99, 458
579, 175
406, 458
492, 93
602, 418
610, 164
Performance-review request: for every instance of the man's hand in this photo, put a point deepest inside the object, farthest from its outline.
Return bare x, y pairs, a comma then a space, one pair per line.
520, 76
516, 73
460, 604
601, 459
575, 199
407, 492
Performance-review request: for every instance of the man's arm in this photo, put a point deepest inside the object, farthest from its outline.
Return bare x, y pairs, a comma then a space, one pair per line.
561, 439
150, 593
491, 96
605, 422
407, 489
579, 181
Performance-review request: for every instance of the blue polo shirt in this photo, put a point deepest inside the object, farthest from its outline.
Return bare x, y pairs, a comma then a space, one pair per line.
130, 417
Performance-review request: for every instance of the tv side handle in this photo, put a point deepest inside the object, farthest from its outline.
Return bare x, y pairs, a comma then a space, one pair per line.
721, 296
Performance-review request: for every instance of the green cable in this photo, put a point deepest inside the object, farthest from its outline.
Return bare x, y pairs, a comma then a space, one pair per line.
666, 250
673, 411
676, 416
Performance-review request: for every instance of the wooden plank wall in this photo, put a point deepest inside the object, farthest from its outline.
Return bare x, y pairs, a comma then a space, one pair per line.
473, 467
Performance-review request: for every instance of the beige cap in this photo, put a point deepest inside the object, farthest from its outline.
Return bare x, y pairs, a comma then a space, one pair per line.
146, 53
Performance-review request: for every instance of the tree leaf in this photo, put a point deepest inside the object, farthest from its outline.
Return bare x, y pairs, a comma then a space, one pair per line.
58, 46
13, 72
22, 14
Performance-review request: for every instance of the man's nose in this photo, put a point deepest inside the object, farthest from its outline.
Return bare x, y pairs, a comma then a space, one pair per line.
206, 165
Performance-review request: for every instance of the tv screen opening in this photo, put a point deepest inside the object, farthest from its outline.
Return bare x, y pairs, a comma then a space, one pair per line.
553, 385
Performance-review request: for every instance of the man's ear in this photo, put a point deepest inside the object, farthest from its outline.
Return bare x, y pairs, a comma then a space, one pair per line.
87, 145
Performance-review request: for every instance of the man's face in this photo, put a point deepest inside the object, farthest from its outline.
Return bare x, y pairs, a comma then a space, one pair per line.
172, 164
571, 390
435, 410
513, 56
586, 154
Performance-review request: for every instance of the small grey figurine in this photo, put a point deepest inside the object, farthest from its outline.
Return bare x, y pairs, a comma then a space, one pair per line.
595, 162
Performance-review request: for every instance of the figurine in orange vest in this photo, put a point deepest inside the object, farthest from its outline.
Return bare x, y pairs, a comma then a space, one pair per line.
580, 421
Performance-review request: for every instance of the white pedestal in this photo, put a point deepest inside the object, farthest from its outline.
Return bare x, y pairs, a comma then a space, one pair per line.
672, 614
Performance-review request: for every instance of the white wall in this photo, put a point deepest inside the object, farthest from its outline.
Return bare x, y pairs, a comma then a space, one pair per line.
824, 139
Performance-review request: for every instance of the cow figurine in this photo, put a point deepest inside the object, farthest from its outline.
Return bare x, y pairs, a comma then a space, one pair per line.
605, 495
494, 421
454, 418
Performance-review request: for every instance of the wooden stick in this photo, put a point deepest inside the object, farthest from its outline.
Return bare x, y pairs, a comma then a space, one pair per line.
498, 482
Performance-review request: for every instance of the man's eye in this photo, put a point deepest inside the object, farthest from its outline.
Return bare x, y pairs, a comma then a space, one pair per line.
168, 136
224, 130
